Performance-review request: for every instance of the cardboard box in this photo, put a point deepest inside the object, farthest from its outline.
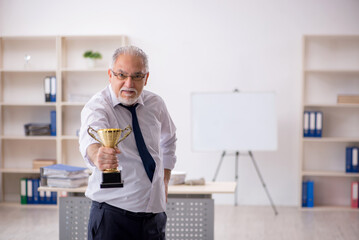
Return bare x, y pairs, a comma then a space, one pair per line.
38, 163
349, 99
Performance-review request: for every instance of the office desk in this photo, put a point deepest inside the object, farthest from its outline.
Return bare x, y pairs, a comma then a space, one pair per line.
190, 211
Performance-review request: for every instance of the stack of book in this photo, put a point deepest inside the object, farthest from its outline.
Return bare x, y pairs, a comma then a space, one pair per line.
30, 195
64, 176
312, 124
42, 129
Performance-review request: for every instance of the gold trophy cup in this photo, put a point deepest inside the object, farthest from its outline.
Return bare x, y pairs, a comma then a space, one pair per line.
110, 137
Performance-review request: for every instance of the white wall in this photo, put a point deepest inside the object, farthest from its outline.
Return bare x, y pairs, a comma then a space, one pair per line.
199, 45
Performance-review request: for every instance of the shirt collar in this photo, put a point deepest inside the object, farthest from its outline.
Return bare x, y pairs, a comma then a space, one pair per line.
115, 100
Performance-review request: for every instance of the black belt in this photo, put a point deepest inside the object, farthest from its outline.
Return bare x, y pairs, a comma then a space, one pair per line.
122, 211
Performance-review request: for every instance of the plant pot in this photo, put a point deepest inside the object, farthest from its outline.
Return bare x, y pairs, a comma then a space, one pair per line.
90, 62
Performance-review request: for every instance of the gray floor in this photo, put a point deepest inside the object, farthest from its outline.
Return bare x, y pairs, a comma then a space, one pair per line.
22, 222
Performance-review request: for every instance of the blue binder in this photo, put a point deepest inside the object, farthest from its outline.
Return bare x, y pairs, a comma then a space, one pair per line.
354, 162
348, 160
351, 160
35, 193
30, 196
318, 124
312, 124
53, 123
304, 194
310, 194
47, 197
42, 198
53, 89
53, 198
306, 124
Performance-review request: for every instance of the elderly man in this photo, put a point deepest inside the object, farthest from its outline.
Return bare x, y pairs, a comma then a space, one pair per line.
147, 156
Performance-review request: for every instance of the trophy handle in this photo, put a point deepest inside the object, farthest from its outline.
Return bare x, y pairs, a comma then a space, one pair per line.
129, 130
93, 135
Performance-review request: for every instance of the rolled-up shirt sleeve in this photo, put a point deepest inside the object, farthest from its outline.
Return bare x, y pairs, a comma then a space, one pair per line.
91, 115
168, 140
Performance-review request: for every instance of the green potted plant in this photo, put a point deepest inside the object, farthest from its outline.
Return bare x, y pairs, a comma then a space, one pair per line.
91, 57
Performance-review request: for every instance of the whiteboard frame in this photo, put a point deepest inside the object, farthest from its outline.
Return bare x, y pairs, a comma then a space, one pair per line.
222, 133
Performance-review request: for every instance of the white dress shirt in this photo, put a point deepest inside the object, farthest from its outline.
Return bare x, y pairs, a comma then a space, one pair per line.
159, 132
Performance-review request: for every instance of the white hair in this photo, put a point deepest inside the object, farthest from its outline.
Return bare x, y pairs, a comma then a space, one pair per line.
130, 50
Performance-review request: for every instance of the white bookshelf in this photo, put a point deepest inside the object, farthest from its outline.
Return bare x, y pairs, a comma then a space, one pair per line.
330, 67
22, 100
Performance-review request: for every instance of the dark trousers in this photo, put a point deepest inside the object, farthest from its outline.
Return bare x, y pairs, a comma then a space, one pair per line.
111, 223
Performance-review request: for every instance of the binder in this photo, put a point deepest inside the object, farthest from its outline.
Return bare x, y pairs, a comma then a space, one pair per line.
318, 124
47, 89
42, 197
53, 199
310, 194
47, 197
53, 89
306, 124
30, 198
312, 124
354, 160
53, 123
348, 159
23, 190
35, 192
354, 195
304, 194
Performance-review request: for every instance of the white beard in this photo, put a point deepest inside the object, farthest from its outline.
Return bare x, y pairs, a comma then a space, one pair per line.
127, 101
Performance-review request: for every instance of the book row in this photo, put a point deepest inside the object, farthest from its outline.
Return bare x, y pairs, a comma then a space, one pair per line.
30, 195
312, 124
308, 194
50, 88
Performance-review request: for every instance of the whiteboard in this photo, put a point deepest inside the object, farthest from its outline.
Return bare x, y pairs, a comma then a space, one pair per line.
234, 121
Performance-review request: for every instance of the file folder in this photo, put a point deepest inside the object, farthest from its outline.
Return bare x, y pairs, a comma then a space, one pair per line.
53, 123
23, 190
47, 89
47, 197
42, 197
306, 124
354, 194
348, 159
312, 124
35, 192
30, 198
310, 194
304, 194
354, 160
53, 89
318, 124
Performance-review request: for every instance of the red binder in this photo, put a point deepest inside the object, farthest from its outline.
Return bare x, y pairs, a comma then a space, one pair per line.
354, 194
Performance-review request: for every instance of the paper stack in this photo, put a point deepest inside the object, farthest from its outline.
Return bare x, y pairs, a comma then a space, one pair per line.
65, 176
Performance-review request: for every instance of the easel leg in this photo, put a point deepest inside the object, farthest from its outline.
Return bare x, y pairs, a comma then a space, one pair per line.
263, 183
236, 180
219, 166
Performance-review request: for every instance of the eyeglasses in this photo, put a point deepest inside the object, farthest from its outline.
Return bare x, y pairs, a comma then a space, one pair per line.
122, 77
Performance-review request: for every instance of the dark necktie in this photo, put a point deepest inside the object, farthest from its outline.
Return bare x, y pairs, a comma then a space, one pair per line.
148, 162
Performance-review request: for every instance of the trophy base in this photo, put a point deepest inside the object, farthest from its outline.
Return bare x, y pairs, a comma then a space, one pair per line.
111, 180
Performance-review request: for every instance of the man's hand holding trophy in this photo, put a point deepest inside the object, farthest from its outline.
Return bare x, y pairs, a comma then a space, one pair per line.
110, 137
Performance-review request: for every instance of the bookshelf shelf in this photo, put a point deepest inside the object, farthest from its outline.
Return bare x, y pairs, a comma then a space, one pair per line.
59, 56
343, 105
330, 69
19, 170
330, 174
331, 208
331, 139
30, 138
